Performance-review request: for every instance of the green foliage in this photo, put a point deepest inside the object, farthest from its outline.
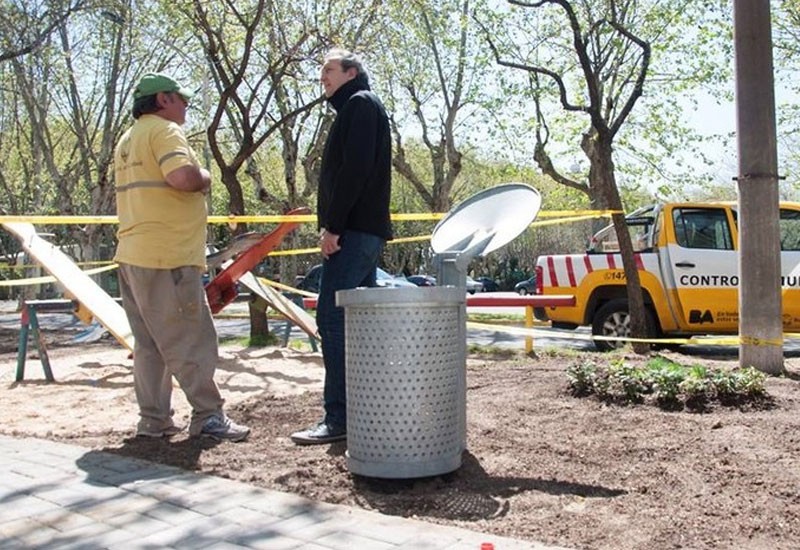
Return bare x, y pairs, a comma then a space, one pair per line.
667, 378
581, 377
263, 340
690, 49
748, 382
669, 384
628, 381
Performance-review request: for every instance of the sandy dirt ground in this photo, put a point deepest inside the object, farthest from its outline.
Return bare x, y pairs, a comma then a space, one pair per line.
540, 464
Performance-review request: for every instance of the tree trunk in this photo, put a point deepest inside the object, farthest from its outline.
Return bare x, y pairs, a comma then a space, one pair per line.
602, 171
259, 326
760, 306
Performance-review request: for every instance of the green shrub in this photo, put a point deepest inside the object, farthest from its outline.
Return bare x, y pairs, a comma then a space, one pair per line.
749, 382
628, 381
697, 383
667, 379
581, 376
669, 383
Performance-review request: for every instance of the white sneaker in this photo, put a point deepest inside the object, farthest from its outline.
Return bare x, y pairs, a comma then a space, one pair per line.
219, 427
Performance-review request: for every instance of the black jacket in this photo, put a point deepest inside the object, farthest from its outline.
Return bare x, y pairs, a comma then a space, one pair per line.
356, 176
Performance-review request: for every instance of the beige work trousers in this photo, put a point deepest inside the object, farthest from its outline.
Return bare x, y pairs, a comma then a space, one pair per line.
175, 336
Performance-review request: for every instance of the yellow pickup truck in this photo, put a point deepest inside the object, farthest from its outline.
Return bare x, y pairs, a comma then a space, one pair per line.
687, 255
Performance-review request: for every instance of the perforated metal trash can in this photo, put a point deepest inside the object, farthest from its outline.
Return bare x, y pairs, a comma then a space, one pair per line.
406, 380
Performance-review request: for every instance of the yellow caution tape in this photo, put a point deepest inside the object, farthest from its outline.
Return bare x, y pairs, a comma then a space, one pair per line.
570, 213
276, 218
295, 252
573, 215
559, 221
692, 341
65, 220
51, 279
766, 342
287, 288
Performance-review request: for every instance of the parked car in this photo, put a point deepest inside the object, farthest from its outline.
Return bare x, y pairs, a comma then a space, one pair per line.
422, 280
489, 284
386, 280
528, 286
310, 283
473, 286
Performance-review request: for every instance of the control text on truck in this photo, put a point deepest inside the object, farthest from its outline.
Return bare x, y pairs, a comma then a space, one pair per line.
687, 256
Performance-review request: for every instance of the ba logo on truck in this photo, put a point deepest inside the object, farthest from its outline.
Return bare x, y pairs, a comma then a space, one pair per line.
697, 317
688, 264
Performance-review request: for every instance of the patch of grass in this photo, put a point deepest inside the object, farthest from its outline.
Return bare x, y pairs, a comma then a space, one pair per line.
552, 351
234, 341
492, 352
247, 342
668, 384
301, 345
262, 340
496, 318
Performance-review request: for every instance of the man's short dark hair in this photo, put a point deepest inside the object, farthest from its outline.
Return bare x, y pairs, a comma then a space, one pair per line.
145, 106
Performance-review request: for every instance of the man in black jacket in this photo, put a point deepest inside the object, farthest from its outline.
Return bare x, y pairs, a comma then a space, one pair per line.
353, 219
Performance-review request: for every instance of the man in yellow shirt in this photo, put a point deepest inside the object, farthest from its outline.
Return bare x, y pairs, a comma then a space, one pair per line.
161, 204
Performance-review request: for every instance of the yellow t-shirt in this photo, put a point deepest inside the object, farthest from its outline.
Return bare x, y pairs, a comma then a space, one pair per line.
159, 226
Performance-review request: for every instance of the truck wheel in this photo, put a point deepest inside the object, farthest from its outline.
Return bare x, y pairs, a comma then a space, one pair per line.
613, 319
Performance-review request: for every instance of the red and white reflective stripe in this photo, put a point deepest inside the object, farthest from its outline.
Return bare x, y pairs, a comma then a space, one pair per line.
551, 270
571, 272
571, 269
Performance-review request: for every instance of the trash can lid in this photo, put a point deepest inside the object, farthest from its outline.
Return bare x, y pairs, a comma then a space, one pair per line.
497, 215
419, 296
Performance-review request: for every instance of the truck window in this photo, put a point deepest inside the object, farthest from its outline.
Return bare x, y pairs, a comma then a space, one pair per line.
702, 228
789, 225
640, 226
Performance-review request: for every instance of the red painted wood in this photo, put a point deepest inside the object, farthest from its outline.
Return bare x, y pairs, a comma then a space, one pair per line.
221, 290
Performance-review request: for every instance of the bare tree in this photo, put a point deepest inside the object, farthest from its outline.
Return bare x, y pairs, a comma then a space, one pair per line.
433, 75
613, 63
68, 105
27, 26
262, 79
249, 73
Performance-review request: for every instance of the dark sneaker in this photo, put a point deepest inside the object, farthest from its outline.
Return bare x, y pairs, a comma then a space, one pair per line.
319, 435
169, 431
219, 427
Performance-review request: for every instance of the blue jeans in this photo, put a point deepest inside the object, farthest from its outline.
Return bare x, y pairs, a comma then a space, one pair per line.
351, 267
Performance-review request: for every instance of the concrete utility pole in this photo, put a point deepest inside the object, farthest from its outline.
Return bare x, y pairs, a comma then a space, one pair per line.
760, 324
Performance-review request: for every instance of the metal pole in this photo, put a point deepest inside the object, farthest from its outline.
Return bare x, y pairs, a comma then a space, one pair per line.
760, 324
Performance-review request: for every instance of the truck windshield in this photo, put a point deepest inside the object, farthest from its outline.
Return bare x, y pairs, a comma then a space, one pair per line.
702, 228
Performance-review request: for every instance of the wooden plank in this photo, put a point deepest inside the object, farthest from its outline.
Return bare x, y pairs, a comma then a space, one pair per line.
281, 304
82, 287
241, 243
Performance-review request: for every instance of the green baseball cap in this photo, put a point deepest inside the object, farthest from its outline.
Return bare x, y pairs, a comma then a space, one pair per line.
152, 83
